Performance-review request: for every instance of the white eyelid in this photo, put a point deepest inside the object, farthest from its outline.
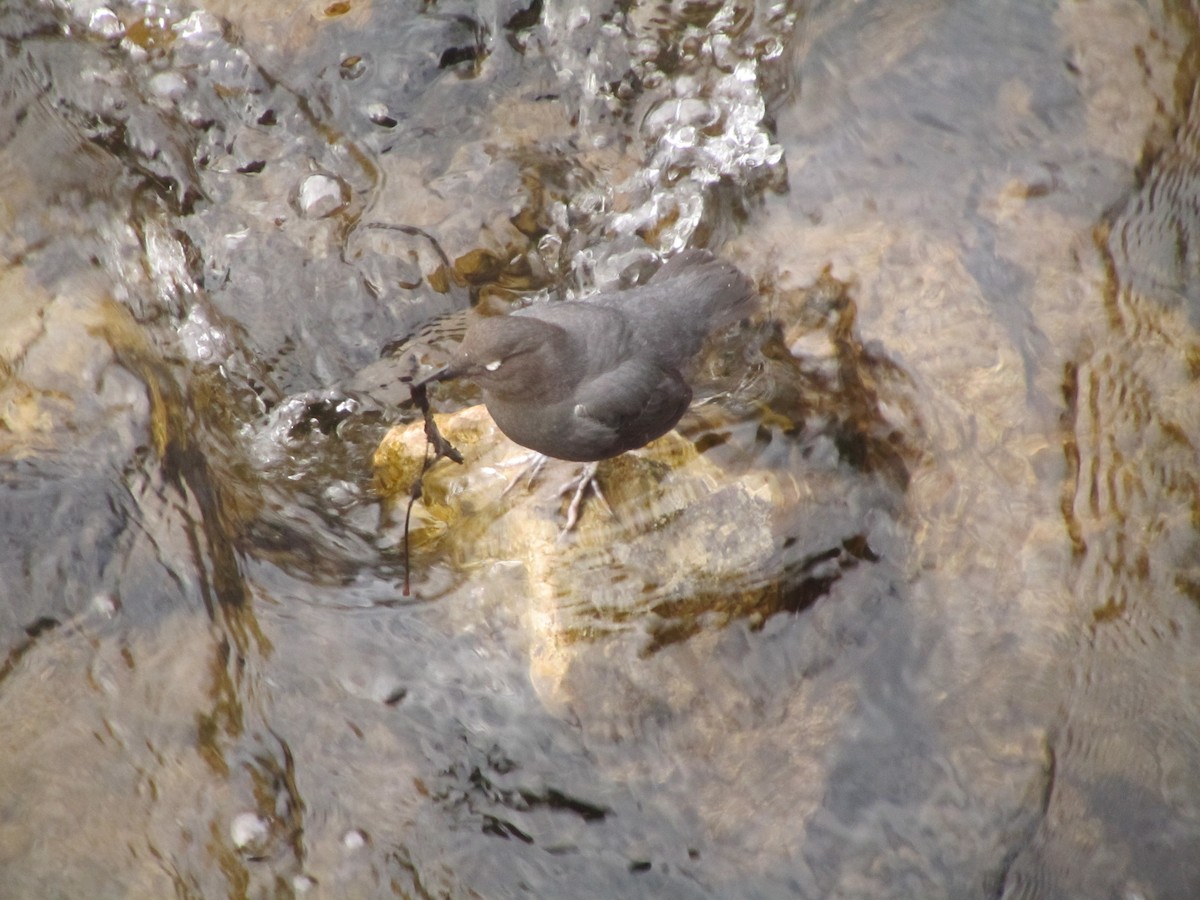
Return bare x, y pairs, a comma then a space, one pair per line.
493, 365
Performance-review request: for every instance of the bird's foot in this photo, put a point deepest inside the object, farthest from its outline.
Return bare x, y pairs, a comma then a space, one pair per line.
578, 488
585, 482
529, 473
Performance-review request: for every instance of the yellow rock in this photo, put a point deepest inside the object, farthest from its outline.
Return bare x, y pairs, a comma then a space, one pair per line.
680, 538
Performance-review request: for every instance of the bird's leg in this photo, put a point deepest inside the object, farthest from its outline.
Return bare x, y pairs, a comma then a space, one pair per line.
581, 485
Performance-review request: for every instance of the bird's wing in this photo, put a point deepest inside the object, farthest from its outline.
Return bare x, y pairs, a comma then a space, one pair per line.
635, 403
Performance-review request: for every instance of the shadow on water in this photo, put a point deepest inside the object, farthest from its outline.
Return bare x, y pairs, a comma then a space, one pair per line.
906, 606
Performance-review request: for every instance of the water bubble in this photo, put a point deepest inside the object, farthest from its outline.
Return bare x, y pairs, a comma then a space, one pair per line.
342, 495
354, 839
106, 605
104, 22
168, 265
321, 195
381, 115
681, 111
168, 85
249, 832
200, 29
352, 68
202, 341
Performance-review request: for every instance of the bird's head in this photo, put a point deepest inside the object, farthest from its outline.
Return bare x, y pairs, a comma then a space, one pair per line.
512, 357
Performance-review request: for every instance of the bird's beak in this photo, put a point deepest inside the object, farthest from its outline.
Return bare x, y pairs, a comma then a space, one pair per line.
454, 369
436, 375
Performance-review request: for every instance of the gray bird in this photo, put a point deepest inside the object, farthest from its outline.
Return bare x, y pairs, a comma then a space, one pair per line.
587, 380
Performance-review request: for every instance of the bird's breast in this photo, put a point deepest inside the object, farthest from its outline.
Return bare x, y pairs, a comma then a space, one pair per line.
561, 430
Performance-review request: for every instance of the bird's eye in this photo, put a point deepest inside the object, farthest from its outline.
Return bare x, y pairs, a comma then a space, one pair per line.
493, 365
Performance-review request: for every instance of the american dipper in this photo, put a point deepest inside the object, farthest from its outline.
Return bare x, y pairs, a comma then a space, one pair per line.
587, 380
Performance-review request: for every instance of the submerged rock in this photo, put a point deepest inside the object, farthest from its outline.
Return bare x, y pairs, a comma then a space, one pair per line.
744, 511
678, 532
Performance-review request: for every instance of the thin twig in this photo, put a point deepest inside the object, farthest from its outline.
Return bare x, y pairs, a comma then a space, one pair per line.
442, 449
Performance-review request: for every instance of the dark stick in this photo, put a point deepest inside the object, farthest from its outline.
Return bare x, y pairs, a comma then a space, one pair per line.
442, 449
414, 494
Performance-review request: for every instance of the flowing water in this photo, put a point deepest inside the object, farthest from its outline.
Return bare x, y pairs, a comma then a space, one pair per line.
909, 607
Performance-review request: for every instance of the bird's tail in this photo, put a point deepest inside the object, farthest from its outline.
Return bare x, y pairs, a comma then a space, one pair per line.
712, 290
691, 296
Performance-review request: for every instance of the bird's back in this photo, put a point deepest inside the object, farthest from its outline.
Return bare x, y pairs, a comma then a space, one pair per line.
691, 296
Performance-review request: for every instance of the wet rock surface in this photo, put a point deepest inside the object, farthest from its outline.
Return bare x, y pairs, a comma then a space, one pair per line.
707, 525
